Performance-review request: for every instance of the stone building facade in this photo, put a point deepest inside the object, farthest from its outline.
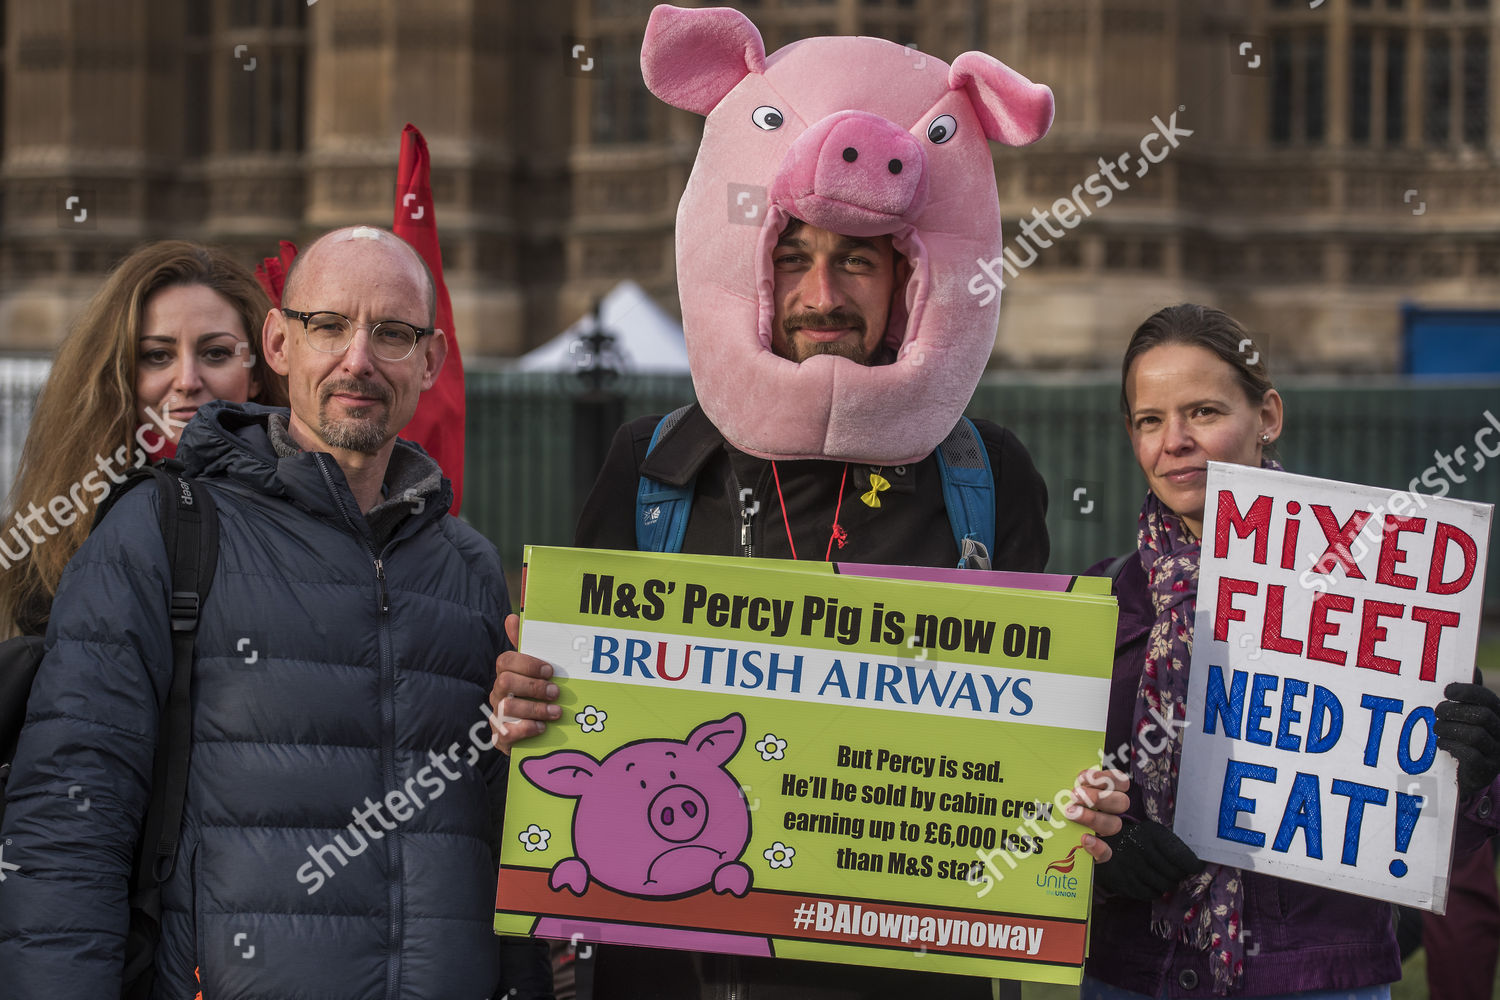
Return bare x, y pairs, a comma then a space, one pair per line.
1328, 159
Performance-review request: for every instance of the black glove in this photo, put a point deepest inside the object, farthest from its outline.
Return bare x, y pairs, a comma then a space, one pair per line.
1468, 727
1148, 861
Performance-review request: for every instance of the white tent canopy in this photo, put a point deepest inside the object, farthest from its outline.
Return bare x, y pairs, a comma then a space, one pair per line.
647, 340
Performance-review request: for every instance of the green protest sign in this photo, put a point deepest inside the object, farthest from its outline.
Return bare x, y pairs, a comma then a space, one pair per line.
771, 758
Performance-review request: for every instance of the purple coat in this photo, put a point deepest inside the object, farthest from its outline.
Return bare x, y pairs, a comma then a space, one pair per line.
1297, 937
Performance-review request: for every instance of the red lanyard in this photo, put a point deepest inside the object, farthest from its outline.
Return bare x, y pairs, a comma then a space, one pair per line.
837, 535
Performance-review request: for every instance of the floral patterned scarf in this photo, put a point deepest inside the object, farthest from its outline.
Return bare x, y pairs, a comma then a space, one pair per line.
1204, 911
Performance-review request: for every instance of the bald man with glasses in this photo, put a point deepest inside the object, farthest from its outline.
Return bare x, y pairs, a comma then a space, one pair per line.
343, 799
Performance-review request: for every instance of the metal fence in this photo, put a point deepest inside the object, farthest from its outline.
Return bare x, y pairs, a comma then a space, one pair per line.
521, 484
520, 488
20, 378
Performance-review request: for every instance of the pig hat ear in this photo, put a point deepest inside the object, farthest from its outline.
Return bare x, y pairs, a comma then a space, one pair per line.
720, 740
1011, 109
566, 772
692, 58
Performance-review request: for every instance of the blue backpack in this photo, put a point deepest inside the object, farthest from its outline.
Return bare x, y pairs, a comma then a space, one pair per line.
661, 510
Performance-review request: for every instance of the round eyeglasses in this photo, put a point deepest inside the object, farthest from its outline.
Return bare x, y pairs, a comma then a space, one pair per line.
331, 333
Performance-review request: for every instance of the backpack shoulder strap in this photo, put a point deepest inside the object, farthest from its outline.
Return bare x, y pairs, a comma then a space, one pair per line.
1117, 565
190, 529
968, 493
661, 510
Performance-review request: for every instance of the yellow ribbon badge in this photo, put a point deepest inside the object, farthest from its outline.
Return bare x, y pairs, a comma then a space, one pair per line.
877, 483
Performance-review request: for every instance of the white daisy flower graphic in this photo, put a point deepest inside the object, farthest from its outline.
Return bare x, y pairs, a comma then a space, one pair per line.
780, 855
534, 838
591, 719
772, 747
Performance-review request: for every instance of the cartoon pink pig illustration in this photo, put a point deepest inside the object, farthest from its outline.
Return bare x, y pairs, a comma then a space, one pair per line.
656, 819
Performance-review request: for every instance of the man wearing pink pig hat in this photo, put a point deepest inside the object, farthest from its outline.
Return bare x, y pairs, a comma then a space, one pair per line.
834, 344
842, 195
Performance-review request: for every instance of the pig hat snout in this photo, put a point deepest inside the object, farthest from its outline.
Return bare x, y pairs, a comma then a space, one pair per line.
853, 173
861, 137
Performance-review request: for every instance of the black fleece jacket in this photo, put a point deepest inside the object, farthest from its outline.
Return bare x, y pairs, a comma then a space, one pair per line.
910, 527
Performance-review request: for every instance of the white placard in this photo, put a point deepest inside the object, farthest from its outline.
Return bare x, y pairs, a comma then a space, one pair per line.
1330, 617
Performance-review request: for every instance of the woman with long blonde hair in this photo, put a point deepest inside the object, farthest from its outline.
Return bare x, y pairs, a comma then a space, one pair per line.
175, 325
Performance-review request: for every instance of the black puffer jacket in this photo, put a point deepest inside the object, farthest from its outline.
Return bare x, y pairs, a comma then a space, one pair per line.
910, 527
341, 664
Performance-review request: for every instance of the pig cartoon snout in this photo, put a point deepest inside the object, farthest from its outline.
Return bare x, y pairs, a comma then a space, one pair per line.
855, 169
678, 813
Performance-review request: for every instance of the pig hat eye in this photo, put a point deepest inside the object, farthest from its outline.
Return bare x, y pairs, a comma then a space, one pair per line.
942, 129
768, 118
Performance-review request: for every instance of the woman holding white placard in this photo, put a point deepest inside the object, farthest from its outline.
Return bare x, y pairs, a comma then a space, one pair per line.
1195, 390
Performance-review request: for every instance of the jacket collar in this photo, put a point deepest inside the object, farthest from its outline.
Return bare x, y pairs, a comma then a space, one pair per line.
683, 451
234, 441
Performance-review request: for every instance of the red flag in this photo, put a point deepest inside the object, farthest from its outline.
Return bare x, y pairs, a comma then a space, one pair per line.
438, 424
272, 272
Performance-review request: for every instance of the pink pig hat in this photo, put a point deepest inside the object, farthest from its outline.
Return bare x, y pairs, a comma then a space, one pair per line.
773, 146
